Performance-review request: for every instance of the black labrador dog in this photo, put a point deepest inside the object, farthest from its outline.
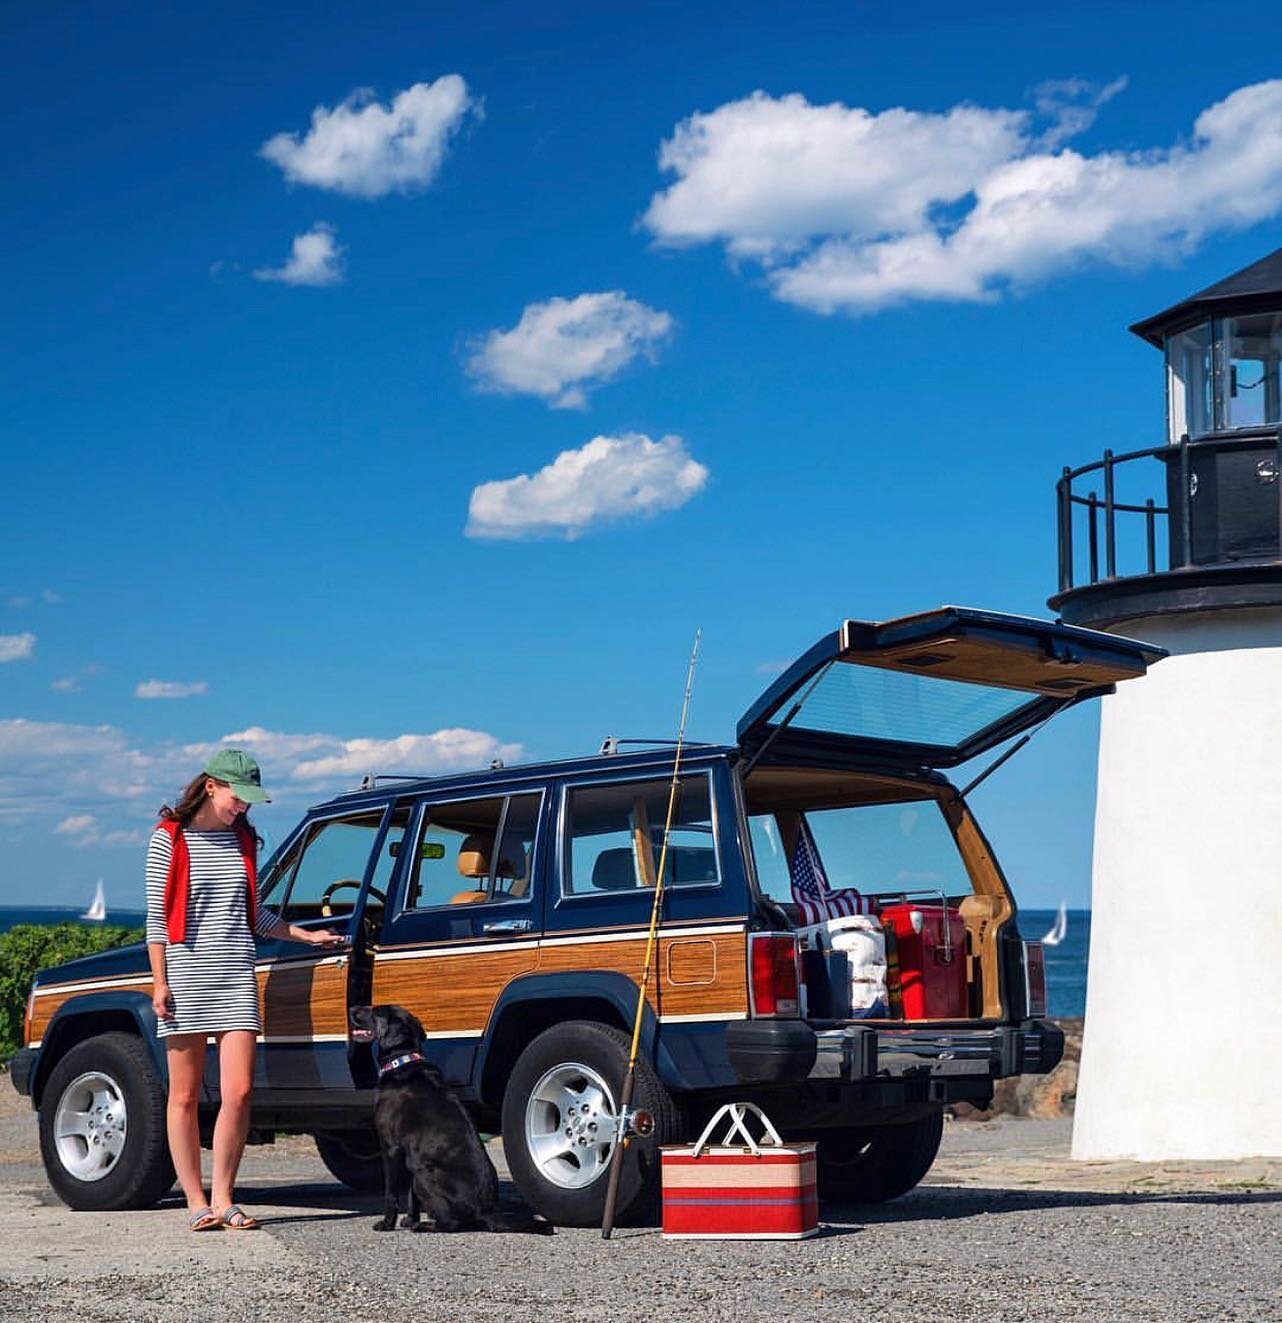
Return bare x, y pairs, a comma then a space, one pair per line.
431, 1151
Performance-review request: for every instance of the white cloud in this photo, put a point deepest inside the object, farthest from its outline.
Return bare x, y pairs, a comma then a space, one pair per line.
316, 259
170, 688
1071, 104
78, 824
55, 767
850, 211
68, 684
333, 759
609, 478
52, 597
560, 349
17, 647
93, 785
366, 149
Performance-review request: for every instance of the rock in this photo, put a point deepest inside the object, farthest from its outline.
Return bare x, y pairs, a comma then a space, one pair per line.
1040, 1096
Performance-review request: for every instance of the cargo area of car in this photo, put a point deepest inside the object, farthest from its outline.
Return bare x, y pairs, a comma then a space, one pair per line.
908, 903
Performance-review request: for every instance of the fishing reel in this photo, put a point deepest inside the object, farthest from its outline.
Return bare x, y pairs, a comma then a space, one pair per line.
633, 1121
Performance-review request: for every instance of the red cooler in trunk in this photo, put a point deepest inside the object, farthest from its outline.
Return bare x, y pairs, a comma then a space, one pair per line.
931, 942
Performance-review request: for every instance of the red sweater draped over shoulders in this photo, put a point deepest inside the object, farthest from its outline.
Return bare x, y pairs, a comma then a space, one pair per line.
178, 879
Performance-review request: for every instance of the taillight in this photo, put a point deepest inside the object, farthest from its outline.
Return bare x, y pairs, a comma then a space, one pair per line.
1034, 978
774, 974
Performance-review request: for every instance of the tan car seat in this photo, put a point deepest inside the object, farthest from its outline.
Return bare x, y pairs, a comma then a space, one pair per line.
474, 862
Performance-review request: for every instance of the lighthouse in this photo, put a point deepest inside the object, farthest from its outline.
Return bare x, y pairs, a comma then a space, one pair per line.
1178, 545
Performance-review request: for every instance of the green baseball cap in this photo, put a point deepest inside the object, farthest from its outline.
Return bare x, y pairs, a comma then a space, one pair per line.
240, 772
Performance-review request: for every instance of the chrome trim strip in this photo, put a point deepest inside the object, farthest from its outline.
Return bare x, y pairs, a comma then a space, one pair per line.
718, 1018
429, 952
297, 1038
45, 990
303, 962
632, 935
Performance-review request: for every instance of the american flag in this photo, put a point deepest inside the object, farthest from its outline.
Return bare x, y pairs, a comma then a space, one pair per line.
810, 889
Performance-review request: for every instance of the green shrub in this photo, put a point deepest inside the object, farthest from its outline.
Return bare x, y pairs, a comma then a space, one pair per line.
28, 948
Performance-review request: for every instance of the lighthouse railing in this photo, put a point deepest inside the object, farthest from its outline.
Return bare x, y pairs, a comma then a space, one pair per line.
1177, 476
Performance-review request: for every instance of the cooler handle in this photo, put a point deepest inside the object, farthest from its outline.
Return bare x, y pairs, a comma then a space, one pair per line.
736, 1113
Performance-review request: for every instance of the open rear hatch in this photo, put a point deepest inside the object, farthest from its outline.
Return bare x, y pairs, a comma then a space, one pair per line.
932, 690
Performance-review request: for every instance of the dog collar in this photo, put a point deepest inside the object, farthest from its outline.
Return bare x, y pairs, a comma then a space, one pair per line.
397, 1062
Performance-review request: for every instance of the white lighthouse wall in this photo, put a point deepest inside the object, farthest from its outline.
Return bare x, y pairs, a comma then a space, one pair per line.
1182, 1055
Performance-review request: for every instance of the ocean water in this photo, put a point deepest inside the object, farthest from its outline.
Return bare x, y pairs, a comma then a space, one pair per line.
1065, 963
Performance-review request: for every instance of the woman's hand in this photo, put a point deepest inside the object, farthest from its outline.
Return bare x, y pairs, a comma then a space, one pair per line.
320, 937
162, 1001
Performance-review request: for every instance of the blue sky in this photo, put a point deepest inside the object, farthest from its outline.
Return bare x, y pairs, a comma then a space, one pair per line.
825, 379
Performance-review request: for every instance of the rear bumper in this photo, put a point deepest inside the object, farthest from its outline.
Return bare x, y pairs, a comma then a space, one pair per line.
787, 1051
22, 1066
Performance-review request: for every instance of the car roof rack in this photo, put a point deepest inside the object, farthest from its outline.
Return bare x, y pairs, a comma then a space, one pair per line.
613, 743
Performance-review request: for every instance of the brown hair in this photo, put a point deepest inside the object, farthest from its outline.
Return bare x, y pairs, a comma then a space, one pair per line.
189, 802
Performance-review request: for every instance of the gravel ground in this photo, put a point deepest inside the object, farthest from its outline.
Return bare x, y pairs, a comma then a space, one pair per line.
1007, 1228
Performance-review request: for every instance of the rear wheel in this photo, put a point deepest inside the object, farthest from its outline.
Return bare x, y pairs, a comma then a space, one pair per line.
102, 1126
871, 1164
352, 1156
559, 1115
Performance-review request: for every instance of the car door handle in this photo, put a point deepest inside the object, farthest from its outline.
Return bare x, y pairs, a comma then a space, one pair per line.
508, 926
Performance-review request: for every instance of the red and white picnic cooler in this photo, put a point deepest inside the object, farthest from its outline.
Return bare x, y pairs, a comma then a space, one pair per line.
742, 1188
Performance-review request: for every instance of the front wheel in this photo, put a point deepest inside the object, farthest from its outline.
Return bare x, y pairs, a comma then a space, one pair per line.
560, 1110
871, 1164
102, 1126
353, 1157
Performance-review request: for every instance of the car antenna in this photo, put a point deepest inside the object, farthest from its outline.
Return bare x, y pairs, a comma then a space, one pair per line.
1002, 757
639, 1122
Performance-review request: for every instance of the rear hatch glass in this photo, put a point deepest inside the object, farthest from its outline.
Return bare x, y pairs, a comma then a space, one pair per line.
935, 689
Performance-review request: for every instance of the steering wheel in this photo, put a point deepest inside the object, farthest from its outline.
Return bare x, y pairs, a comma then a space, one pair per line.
350, 882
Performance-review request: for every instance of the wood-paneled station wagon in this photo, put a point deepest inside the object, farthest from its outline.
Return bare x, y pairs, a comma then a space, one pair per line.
508, 909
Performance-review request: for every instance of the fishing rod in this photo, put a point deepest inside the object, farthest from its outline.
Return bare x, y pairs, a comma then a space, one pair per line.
640, 1122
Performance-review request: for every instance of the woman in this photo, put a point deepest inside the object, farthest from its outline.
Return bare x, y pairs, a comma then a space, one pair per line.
201, 916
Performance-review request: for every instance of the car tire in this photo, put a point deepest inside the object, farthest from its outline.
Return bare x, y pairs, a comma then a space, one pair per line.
353, 1157
580, 1065
871, 1164
102, 1126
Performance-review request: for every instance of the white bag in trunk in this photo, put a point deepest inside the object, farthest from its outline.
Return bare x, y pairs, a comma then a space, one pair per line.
863, 941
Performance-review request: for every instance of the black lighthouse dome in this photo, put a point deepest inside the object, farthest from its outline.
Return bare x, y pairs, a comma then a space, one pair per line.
1193, 524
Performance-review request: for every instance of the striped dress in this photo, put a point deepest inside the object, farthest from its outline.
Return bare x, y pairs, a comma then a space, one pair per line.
211, 973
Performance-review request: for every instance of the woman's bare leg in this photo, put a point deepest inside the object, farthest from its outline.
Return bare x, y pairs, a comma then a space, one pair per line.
185, 1054
235, 1082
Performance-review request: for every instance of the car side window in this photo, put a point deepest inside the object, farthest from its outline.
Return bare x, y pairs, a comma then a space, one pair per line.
614, 836
457, 862
326, 880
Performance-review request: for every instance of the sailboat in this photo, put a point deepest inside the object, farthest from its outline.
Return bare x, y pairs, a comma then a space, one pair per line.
1060, 927
97, 910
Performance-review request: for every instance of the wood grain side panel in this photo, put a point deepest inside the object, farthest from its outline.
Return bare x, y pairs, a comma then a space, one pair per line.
46, 1007
297, 1002
725, 993
451, 991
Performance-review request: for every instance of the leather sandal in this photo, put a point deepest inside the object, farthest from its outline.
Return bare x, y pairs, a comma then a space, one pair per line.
234, 1218
204, 1219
